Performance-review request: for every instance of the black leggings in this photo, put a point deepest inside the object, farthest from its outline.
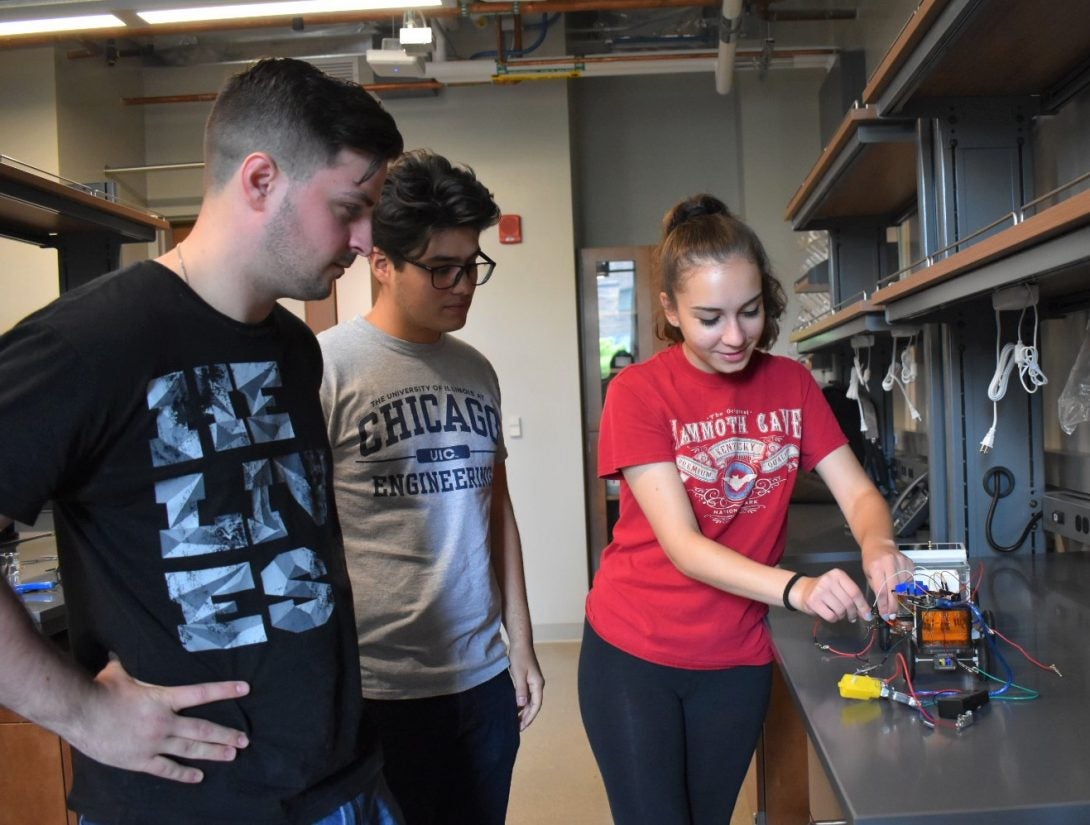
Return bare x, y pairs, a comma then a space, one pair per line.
673, 745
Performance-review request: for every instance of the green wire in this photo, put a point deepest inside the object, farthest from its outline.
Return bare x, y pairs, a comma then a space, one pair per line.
1031, 694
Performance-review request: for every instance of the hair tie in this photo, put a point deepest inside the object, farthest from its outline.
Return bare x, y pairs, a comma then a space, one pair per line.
698, 207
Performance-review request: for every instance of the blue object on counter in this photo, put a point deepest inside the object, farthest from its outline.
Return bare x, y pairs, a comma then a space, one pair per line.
34, 587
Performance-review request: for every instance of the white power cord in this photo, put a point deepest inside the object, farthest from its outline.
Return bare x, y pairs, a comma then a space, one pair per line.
1025, 355
908, 362
1006, 358
908, 375
859, 377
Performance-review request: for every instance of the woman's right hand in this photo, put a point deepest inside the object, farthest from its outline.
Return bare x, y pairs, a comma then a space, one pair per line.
832, 596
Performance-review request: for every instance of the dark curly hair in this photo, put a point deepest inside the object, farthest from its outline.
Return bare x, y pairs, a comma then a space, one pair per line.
699, 231
425, 194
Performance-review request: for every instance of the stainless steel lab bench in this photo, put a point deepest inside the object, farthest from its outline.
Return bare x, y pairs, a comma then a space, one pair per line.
1020, 762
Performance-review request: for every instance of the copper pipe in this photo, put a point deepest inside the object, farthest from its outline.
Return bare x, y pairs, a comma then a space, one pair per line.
613, 58
204, 97
808, 16
517, 25
398, 87
501, 52
201, 97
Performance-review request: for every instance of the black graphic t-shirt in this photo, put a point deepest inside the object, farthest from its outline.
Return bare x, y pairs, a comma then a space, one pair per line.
187, 459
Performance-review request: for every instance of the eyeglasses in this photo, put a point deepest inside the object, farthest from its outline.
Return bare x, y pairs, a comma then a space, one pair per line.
447, 276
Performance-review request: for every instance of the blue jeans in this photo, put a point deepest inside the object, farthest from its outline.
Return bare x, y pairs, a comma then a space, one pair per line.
449, 759
375, 808
379, 809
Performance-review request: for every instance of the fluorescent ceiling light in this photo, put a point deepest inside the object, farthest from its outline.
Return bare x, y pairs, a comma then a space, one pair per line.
415, 36
284, 7
59, 24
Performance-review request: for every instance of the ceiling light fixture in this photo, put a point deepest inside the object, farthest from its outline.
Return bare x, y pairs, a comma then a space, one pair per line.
59, 24
284, 7
415, 33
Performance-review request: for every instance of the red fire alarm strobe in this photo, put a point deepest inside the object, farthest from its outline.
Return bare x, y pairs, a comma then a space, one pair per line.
510, 229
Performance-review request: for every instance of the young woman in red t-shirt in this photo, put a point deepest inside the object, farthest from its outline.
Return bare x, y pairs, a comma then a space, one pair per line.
707, 439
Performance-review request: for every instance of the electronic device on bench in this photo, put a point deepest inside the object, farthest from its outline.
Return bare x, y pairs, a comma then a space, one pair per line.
938, 614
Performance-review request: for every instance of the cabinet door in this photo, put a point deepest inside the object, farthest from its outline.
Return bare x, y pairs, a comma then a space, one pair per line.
34, 780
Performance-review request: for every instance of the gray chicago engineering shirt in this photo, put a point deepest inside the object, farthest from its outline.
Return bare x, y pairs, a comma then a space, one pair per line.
415, 430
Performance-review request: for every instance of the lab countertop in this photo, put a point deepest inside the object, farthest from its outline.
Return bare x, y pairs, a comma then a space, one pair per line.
38, 562
1020, 762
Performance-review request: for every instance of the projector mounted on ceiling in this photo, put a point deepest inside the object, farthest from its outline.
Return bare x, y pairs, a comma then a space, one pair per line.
393, 61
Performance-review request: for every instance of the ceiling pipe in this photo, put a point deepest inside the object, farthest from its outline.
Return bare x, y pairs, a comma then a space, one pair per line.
472, 72
517, 30
478, 72
295, 21
730, 22
207, 97
501, 50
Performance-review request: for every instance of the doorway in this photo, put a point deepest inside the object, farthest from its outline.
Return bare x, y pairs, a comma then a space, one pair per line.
617, 309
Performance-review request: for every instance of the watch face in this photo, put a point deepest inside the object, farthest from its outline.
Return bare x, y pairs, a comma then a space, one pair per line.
944, 627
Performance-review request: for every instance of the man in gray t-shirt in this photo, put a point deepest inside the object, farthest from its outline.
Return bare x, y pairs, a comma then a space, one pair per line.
430, 535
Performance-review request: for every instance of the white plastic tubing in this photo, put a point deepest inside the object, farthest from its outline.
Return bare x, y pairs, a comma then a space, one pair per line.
728, 42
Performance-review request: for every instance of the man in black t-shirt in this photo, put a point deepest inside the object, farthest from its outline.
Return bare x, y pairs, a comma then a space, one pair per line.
170, 410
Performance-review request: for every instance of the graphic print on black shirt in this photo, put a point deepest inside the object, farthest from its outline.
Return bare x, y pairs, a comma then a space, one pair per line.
233, 406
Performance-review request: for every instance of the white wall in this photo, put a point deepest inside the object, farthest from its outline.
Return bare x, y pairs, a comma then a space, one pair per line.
642, 143
523, 320
780, 142
174, 133
95, 128
28, 133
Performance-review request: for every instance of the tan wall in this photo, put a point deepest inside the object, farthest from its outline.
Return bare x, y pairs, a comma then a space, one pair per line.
28, 132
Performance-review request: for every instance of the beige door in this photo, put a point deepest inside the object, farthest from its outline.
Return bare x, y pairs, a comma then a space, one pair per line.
618, 308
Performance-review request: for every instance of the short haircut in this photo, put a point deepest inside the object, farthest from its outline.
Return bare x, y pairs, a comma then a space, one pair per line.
425, 194
298, 114
701, 230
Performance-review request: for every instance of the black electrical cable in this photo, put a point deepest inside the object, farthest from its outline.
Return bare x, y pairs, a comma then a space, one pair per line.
995, 474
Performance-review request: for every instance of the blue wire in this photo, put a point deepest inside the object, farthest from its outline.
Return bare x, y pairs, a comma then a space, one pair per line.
989, 639
1003, 661
544, 25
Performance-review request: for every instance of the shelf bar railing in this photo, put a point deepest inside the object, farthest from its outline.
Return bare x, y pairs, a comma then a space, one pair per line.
1015, 217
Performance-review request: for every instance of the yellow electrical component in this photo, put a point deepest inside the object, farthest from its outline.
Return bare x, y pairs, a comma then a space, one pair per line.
856, 686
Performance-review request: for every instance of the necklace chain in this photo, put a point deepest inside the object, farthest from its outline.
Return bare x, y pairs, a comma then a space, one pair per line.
181, 261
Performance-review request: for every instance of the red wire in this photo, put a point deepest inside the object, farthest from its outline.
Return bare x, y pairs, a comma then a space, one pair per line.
1021, 650
979, 579
871, 636
903, 665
